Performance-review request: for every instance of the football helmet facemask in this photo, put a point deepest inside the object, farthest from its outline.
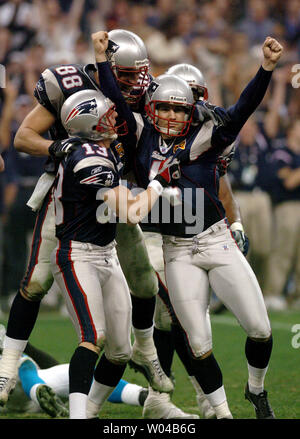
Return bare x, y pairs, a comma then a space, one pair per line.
170, 91
128, 57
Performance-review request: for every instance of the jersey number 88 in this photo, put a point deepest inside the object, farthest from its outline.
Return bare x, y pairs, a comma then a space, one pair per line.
71, 80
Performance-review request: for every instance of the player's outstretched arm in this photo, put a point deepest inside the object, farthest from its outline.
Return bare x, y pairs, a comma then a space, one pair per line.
228, 200
251, 96
272, 51
29, 137
107, 80
132, 209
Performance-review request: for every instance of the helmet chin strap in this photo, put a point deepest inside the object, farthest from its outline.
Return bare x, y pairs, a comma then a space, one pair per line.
167, 131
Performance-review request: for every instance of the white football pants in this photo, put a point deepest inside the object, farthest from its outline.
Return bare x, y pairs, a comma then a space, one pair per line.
96, 294
131, 249
212, 258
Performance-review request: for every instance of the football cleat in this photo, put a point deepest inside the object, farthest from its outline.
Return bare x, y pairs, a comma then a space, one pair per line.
50, 403
92, 409
159, 406
206, 410
143, 396
7, 385
152, 371
261, 404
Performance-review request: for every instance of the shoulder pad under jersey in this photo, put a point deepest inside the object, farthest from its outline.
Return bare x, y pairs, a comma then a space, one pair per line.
57, 83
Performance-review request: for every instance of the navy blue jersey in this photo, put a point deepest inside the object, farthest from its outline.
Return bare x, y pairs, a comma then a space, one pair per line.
80, 176
59, 82
54, 86
199, 182
197, 152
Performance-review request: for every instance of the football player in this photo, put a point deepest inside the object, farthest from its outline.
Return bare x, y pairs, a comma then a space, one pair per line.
158, 404
85, 263
205, 254
55, 85
165, 334
43, 385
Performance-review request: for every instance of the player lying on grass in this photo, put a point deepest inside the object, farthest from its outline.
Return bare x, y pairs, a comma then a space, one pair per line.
47, 388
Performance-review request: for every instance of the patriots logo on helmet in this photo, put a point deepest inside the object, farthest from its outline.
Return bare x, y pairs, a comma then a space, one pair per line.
152, 87
86, 107
111, 49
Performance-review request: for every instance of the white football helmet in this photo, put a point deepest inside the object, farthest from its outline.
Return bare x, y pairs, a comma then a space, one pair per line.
128, 57
174, 91
194, 77
89, 114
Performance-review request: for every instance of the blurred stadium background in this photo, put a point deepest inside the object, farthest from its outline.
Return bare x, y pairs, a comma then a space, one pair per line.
223, 39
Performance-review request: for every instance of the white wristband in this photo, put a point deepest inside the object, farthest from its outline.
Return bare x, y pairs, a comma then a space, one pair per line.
236, 226
154, 184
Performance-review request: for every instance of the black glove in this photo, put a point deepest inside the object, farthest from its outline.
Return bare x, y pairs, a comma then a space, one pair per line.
60, 148
205, 111
242, 241
169, 171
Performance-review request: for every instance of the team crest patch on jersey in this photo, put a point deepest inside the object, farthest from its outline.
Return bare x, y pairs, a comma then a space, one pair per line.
86, 107
120, 150
181, 145
104, 178
225, 247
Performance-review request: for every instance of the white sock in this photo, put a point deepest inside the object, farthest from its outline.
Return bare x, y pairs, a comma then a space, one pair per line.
77, 405
130, 394
218, 401
256, 378
144, 340
97, 396
33, 393
11, 354
14, 344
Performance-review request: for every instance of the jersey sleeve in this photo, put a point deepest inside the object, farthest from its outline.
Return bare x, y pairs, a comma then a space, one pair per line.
239, 113
48, 92
96, 172
110, 88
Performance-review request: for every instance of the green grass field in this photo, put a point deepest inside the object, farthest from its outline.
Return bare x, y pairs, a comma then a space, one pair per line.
55, 334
